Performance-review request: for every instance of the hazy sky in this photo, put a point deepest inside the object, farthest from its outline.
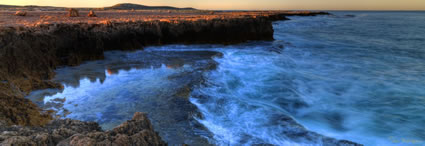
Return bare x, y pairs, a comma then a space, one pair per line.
242, 4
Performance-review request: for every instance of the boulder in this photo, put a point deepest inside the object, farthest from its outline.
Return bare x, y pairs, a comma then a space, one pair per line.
73, 13
92, 14
21, 13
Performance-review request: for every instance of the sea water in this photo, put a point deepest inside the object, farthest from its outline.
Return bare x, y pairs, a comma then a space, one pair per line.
358, 76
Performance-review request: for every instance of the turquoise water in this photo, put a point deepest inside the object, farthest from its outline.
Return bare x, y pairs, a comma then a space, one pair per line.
358, 78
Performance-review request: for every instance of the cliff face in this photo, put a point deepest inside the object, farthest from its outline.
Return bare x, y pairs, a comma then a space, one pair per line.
30, 54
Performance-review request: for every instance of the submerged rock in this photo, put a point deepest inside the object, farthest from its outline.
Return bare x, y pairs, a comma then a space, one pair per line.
137, 131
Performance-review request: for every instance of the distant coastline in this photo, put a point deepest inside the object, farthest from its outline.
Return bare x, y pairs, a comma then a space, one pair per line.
122, 6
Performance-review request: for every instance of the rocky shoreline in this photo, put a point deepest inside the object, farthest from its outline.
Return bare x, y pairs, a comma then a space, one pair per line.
137, 131
30, 54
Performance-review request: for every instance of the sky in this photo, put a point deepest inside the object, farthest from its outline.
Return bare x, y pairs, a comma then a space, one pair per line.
242, 4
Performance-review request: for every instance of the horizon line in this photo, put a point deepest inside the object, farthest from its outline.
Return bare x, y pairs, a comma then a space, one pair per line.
230, 9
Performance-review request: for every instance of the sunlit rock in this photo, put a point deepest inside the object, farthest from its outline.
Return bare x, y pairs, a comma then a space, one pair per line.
21, 13
92, 14
73, 13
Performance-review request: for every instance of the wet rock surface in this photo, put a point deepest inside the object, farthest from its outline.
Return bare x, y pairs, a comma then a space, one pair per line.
299, 133
137, 131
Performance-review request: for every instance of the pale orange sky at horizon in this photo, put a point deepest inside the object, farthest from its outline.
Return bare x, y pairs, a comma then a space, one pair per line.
241, 4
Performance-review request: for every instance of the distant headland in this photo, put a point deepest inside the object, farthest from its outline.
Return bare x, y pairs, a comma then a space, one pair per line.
121, 6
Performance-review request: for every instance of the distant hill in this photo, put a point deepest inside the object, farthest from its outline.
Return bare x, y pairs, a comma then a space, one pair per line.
129, 6
28, 6
31, 8
123, 6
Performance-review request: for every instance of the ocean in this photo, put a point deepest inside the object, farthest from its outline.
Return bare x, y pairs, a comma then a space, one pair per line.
357, 76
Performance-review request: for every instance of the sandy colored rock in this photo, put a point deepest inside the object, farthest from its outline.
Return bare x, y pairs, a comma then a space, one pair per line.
21, 13
73, 13
92, 14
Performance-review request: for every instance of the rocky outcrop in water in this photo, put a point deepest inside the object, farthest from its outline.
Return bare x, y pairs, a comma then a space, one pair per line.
137, 131
298, 133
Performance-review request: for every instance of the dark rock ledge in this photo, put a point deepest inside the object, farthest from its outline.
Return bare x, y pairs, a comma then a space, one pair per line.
137, 131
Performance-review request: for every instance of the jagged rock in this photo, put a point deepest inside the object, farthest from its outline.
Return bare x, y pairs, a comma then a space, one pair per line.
15, 109
137, 131
73, 13
92, 14
21, 13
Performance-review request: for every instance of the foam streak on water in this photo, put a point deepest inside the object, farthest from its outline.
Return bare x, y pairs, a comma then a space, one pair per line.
356, 78
234, 108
